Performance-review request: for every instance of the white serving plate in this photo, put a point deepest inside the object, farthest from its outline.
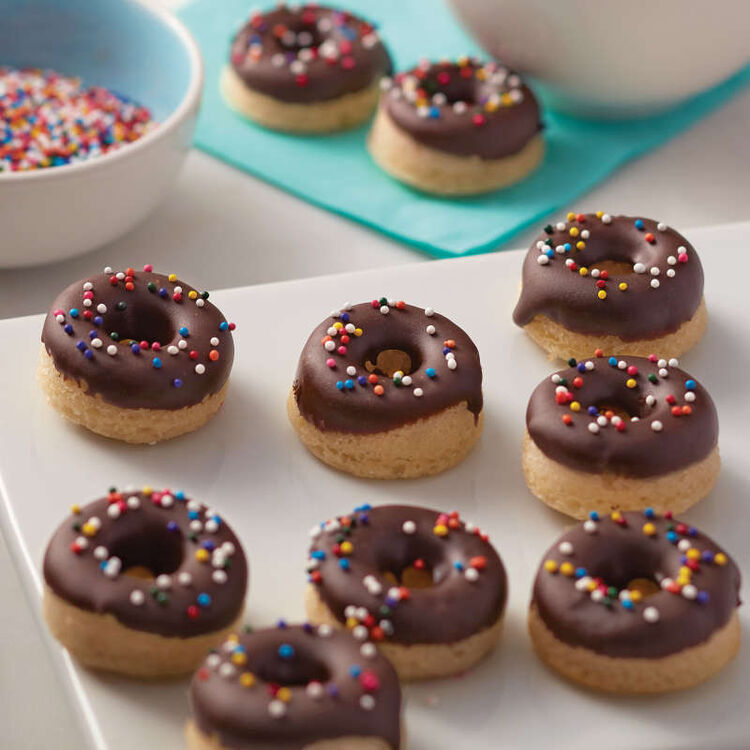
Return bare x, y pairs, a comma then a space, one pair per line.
248, 463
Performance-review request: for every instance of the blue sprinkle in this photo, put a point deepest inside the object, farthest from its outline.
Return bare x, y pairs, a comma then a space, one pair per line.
135, 348
593, 411
223, 326
344, 564
68, 329
593, 515
333, 691
193, 515
690, 385
156, 363
567, 247
184, 331
627, 604
672, 537
580, 572
73, 312
692, 531
364, 506
649, 512
88, 354
446, 349
177, 383
281, 624
102, 565
639, 224
703, 597
581, 367
390, 601
81, 346
179, 495
362, 380
286, 651
208, 544
349, 384
172, 526
340, 385
355, 670
707, 555
550, 253
163, 292
307, 627
318, 554
612, 361
204, 600
93, 334
216, 518
430, 372
458, 565
434, 113
344, 317
683, 559
98, 320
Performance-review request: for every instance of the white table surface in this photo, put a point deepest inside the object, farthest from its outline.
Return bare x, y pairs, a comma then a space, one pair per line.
224, 228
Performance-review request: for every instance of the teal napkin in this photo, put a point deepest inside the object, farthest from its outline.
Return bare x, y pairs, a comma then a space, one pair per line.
336, 172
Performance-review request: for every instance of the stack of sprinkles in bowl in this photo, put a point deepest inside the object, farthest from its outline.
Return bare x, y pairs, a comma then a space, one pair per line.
48, 120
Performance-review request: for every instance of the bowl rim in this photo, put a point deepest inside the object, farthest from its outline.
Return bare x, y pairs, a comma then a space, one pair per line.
192, 95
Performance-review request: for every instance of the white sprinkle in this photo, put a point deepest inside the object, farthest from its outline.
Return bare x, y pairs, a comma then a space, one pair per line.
120, 276
602, 421
137, 597
101, 553
101, 308
683, 545
87, 286
329, 345
471, 574
656, 426
200, 369
682, 249
582, 584
227, 670
360, 632
82, 542
661, 363
87, 303
277, 709
650, 400
384, 310
593, 428
560, 226
214, 341
589, 526
394, 593
560, 250
639, 268
595, 273
385, 83
406, 380
651, 614
622, 364
460, 107
566, 548
324, 631
200, 302
164, 581
429, 312
542, 260
213, 661
113, 511
555, 378
671, 260
661, 226
107, 269
184, 578
178, 290
655, 283
96, 343
585, 234
60, 318
196, 526
589, 365
655, 271
606, 219
430, 330
368, 650
674, 362
113, 567
182, 344
173, 350
597, 595
277, 60
314, 689
689, 396
418, 392
671, 273
689, 591
663, 373
219, 576
452, 364
211, 526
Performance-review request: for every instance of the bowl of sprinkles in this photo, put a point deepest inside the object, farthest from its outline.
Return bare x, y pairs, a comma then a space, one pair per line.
98, 103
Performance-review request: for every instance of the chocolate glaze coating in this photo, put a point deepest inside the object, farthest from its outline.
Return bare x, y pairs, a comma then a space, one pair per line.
158, 535
78, 342
310, 54
496, 115
358, 409
638, 450
643, 310
456, 606
241, 717
619, 553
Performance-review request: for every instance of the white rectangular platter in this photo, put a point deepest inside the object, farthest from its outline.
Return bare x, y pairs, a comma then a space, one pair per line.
249, 464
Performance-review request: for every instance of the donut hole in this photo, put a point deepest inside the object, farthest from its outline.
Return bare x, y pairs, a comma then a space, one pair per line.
627, 564
613, 267
140, 322
297, 35
299, 669
645, 586
151, 552
415, 563
626, 411
389, 361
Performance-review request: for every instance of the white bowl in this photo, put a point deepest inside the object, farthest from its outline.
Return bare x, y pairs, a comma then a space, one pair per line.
54, 213
614, 58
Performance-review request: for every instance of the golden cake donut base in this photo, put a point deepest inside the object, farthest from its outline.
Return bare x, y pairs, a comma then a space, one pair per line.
422, 448
420, 661
442, 173
563, 343
100, 641
576, 493
341, 113
198, 740
678, 671
71, 399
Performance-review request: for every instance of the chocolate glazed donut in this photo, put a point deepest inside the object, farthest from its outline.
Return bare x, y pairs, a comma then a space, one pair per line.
308, 54
412, 578
615, 282
642, 591
291, 686
465, 108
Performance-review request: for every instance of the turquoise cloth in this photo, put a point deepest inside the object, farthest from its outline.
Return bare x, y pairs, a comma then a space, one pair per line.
337, 173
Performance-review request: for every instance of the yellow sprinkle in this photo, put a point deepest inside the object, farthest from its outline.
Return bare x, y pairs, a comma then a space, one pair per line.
202, 555
239, 658
591, 586
284, 694
720, 558
172, 277
616, 515
693, 554
599, 214
580, 245
192, 294
506, 100
351, 622
147, 491
574, 231
601, 294
233, 638
462, 61
575, 406
247, 679
571, 216
622, 286
357, 331
481, 74
75, 509
89, 529
631, 383
649, 529
347, 548
567, 568
583, 271
685, 571
440, 530
338, 325
636, 595
550, 566
491, 106
682, 580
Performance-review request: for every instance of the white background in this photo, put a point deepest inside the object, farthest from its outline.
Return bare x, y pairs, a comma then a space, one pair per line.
221, 228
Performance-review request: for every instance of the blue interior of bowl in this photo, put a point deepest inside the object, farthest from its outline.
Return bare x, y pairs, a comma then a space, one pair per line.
114, 43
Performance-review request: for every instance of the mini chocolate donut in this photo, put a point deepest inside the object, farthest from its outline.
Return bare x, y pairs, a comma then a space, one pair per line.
388, 390
427, 587
143, 582
625, 433
305, 68
135, 356
295, 688
624, 284
457, 128
635, 603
